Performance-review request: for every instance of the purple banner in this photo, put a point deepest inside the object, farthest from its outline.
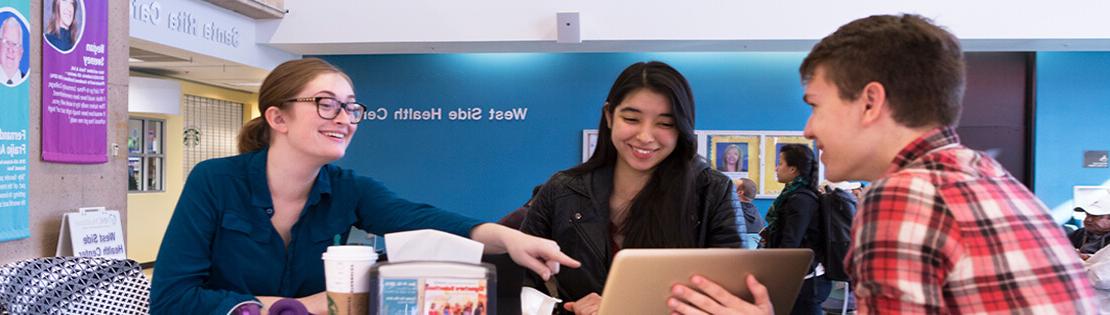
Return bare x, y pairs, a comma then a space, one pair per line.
74, 81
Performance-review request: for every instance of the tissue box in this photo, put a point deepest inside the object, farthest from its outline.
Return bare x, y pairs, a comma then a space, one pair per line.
432, 245
420, 287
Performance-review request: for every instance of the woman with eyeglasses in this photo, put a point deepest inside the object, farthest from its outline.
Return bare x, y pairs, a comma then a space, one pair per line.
250, 229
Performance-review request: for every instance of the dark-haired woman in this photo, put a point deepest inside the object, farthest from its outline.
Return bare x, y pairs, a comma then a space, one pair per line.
644, 187
249, 229
793, 221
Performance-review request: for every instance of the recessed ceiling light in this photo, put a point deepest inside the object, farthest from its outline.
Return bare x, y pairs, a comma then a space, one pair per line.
133, 59
256, 84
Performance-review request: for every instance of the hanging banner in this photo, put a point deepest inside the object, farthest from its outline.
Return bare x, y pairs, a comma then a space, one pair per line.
74, 81
14, 122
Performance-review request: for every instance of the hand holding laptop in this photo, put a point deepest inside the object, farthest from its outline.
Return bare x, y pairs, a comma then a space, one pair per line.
676, 281
710, 298
588, 304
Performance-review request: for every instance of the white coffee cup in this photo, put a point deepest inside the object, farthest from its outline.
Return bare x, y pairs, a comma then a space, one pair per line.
347, 278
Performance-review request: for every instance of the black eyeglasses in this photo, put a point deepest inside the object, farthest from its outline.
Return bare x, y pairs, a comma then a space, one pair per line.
328, 107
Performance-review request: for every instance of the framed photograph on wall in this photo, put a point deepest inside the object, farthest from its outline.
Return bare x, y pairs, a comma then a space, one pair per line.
589, 142
734, 153
772, 145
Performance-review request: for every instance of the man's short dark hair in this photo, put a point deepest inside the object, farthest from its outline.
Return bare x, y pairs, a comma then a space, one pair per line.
919, 64
748, 189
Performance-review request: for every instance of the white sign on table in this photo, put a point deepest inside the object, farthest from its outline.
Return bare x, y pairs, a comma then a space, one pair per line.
92, 232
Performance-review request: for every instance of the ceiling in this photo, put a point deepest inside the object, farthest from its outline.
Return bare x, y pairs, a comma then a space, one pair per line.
156, 59
785, 45
152, 58
161, 60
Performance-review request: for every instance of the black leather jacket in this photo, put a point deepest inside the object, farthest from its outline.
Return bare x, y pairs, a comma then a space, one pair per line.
573, 211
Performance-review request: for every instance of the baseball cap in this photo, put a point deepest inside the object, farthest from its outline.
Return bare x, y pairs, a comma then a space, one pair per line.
1099, 207
843, 185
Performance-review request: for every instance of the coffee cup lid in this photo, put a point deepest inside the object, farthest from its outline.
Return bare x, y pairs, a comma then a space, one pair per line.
350, 252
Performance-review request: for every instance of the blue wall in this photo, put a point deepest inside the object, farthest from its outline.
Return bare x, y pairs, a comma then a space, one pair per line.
488, 168
1073, 115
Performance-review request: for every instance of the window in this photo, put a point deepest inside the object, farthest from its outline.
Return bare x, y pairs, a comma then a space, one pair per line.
211, 126
145, 156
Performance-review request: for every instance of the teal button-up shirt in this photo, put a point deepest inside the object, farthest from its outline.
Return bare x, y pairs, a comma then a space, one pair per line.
220, 248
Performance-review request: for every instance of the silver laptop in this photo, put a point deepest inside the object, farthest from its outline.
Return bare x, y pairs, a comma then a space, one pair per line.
640, 280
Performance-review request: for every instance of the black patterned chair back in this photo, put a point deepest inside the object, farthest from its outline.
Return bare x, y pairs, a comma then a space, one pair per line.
74, 285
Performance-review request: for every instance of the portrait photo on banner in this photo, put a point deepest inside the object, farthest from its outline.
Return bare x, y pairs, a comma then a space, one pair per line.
63, 23
15, 61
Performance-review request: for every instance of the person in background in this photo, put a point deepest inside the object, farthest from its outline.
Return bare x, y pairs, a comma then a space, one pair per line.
514, 219
1095, 233
793, 221
749, 215
250, 229
943, 229
858, 191
61, 30
644, 187
850, 188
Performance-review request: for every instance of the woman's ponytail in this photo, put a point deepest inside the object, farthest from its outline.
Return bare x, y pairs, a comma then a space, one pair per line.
255, 135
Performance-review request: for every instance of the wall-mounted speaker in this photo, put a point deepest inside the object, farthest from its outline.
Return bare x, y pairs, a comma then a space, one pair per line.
569, 29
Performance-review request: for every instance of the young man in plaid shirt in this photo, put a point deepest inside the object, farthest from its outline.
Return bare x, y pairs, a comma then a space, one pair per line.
944, 229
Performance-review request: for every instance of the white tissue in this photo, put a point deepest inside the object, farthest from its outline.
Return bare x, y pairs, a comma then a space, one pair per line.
534, 302
432, 245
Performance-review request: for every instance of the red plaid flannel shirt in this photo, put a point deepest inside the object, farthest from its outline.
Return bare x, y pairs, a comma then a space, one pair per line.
948, 231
